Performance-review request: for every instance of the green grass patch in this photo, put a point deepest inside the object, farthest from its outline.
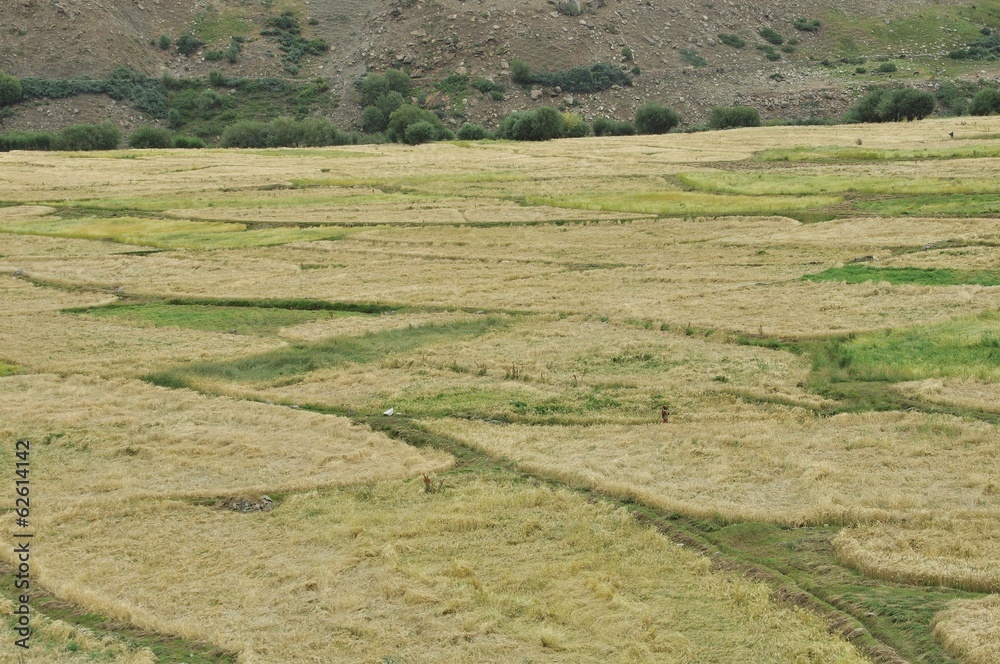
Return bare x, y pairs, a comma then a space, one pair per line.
780, 183
214, 26
966, 347
830, 154
956, 205
921, 29
168, 233
287, 365
240, 320
859, 274
7, 368
684, 203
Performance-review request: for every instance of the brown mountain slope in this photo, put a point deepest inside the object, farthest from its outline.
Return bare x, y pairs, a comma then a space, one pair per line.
673, 45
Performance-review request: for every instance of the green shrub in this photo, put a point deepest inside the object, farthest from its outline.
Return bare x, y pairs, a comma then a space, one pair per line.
653, 118
627, 53
374, 119
82, 137
887, 67
771, 36
246, 134
952, 99
316, 132
517, 126
472, 132
769, 52
455, 84
406, 115
730, 117
188, 44
188, 142
574, 127
542, 124
284, 133
419, 132
376, 86
690, 56
985, 102
287, 31
216, 79
164, 42
487, 87
520, 72
731, 40
612, 127
28, 140
151, 137
213, 56
11, 90
807, 25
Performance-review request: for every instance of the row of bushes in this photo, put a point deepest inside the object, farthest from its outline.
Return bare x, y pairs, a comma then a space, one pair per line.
411, 124
595, 78
78, 137
144, 92
284, 133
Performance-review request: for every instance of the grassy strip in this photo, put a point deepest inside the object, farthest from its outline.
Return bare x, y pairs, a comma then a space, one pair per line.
859, 274
169, 234
166, 648
757, 183
953, 205
686, 203
846, 154
294, 361
237, 320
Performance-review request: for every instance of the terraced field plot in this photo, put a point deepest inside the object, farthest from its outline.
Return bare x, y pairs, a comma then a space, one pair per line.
185, 333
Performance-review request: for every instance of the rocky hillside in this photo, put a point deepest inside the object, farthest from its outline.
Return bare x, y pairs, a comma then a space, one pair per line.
672, 51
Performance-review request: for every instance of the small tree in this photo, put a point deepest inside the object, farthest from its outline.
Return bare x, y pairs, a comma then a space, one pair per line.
986, 102
653, 118
893, 106
419, 132
10, 89
406, 115
548, 124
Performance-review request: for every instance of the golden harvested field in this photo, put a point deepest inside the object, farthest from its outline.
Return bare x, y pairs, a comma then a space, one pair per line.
184, 333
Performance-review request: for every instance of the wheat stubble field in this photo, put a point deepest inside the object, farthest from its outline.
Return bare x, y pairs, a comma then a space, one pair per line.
819, 308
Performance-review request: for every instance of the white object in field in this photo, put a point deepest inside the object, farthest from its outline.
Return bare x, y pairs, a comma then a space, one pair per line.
390, 411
